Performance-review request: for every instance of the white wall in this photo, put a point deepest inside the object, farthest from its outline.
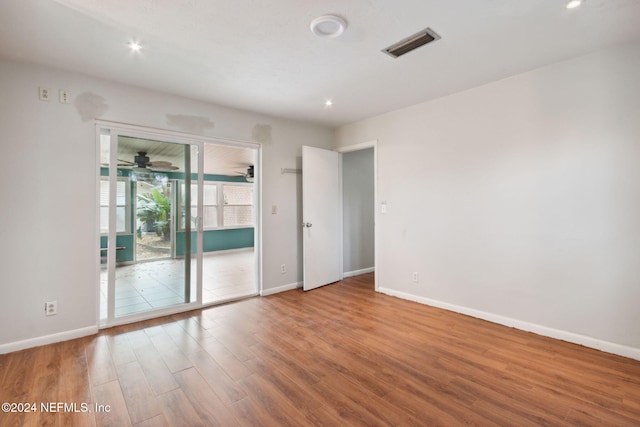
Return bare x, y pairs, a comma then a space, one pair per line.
519, 201
47, 190
358, 210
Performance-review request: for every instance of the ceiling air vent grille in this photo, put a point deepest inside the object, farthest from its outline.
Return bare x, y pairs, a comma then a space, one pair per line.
412, 42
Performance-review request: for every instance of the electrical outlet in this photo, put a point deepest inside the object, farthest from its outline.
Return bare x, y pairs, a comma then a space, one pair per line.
283, 269
51, 308
414, 277
44, 93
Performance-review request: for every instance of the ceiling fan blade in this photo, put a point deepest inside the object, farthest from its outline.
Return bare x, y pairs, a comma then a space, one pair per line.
163, 168
160, 163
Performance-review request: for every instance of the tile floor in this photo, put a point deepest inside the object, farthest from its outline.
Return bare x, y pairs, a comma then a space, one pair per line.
155, 284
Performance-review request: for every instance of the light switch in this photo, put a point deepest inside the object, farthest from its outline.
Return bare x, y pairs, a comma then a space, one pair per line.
383, 207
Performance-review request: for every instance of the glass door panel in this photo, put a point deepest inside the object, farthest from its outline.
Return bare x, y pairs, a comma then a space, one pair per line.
229, 200
150, 262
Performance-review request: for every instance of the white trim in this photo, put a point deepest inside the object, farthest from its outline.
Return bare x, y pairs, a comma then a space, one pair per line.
151, 314
606, 346
179, 136
358, 272
48, 339
279, 289
357, 147
97, 236
257, 230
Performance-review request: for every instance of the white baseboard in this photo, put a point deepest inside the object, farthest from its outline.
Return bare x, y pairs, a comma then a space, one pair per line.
606, 346
279, 289
47, 339
358, 272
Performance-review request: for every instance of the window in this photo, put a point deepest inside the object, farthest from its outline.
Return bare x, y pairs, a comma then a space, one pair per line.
122, 207
238, 205
209, 204
224, 205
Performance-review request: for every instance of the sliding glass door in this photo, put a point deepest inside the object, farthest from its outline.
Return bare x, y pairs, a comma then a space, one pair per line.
150, 243
179, 223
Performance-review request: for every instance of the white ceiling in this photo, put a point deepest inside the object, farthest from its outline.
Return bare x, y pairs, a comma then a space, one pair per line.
261, 56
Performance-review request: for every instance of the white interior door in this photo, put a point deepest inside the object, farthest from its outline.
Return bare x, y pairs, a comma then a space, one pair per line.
322, 217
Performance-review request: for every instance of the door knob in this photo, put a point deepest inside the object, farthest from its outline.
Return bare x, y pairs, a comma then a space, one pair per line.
306, 224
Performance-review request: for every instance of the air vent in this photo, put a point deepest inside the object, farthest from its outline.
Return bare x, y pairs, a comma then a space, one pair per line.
412, 42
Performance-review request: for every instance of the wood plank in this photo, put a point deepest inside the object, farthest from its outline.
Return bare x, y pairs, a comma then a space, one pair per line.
101, 367
74, 383
45, 387
231, 365
158, 375
172, 355
178, 410
207, 404
298, 395
273, 401
224, 387
251, 413
140, 399
157, 421
109, 396
17, 386
339, 355
120, 349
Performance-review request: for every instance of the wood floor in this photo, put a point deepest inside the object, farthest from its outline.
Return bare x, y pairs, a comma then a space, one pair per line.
340, 355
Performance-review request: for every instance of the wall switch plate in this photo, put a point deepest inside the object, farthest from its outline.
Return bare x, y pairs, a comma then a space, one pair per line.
274, 209
51, 308
44, 94
64, 96
383, 207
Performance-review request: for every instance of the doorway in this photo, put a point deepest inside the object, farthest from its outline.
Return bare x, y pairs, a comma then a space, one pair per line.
337, 231
358, 212
170, 205
153, 207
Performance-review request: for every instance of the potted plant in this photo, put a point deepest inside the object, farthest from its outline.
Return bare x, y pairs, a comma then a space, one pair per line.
154, 210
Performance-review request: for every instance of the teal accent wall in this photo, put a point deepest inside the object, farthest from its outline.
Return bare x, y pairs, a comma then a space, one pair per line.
180, 175
122, 240
217, 240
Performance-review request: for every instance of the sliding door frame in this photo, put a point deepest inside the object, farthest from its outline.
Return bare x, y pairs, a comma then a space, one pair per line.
116, 129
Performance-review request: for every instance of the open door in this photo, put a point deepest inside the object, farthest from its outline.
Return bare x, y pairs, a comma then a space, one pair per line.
321, 213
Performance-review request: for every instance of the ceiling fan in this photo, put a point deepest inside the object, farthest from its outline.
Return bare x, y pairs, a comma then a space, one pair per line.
249, 174
142, 163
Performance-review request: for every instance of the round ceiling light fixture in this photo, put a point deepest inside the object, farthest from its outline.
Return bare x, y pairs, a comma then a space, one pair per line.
328, 26
134, 46
573, 4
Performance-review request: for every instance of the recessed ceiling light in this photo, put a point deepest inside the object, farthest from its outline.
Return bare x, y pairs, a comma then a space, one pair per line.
328, 26
328, 103
135, 46
573, 4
